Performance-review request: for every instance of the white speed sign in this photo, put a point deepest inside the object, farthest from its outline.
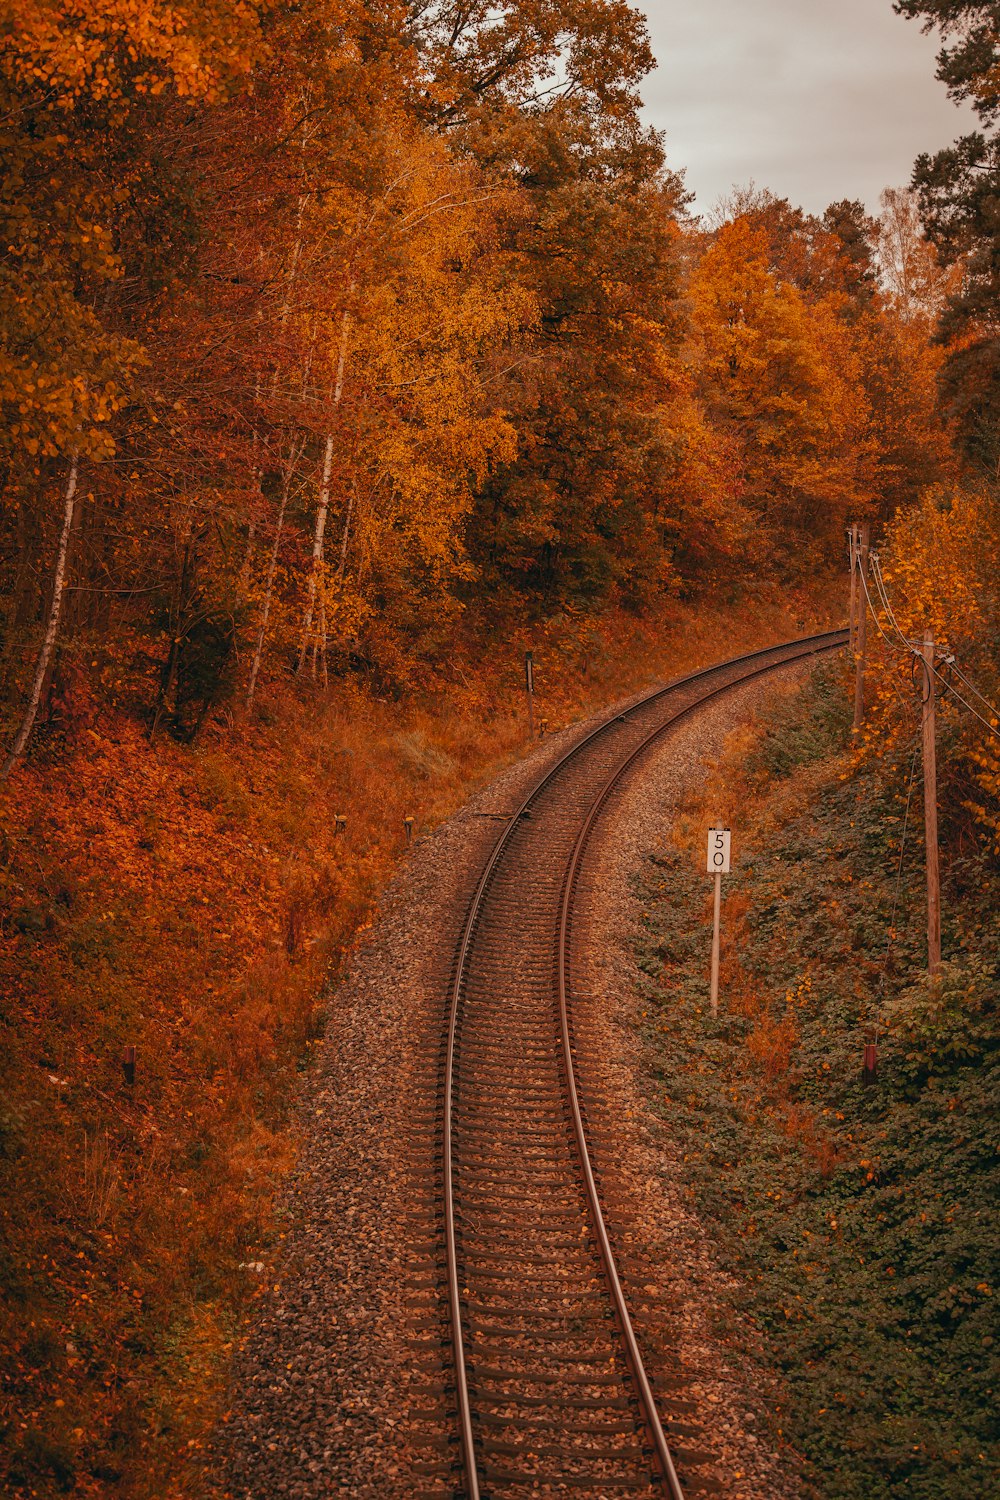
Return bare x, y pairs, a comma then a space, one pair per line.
719, 841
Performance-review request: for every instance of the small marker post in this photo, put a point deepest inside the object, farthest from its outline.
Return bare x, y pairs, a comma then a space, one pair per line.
408, 825
128, 1065
339, 823
869, 1072
719, 846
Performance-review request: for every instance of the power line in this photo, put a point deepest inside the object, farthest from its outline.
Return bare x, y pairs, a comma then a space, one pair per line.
907, 707
878, 626
914, 652
954, 667
884, 596
950, 688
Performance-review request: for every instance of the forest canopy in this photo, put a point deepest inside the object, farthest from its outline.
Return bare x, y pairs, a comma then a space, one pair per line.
324, 325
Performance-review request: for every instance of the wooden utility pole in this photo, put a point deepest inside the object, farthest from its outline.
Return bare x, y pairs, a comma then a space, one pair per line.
861, 641
853, 545
930, 811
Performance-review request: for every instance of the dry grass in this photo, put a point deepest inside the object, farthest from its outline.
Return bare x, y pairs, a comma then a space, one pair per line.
192, 902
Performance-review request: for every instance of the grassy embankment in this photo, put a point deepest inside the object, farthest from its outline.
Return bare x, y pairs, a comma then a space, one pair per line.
860, 1220
191, 902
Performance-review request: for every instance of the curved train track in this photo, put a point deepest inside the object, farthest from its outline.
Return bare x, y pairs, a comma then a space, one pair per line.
548, 1380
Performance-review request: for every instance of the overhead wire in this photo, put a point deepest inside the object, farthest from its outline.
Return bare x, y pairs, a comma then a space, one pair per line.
878, 625
876, 566
950, 687
914, 651
901, 645
891, 644
954, 667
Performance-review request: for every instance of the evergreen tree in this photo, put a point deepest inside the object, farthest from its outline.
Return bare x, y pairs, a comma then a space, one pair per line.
959, 191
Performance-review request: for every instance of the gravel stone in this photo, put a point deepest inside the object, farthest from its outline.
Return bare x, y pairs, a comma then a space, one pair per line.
330, 1392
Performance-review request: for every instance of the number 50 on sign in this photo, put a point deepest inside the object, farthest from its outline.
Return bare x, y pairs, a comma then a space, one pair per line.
719, 841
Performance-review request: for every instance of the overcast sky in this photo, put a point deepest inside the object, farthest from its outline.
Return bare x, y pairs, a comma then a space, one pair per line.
815, 99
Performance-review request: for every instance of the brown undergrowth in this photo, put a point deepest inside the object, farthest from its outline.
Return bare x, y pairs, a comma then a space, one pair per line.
191, 902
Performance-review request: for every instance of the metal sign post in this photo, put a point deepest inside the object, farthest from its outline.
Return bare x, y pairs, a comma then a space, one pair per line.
529, 688
719, 846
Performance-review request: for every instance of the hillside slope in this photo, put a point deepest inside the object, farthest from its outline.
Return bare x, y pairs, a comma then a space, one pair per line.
858, 1219
191, 902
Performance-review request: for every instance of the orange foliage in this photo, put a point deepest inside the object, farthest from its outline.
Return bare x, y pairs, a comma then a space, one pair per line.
940, 572
780, 375
770, 1044
191, 901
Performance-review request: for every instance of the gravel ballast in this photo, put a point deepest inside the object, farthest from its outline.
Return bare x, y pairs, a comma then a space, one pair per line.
324, 1391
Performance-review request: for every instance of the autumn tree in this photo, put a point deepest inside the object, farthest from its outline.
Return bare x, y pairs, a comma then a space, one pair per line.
915, 282
910, 438
855, 229
79, 95
820, 256
548, 98
297, 325
433, 317
779, 373
485, 69
598, 250
937, 571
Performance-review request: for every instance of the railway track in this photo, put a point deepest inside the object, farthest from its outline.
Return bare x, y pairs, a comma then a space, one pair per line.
550, 1388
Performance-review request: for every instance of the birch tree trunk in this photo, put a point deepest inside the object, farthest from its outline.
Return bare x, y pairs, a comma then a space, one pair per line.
52, 627
255, 477
324, 501
317, 557
344, 539
272, 567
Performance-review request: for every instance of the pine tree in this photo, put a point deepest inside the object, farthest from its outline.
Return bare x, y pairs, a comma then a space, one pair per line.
959, 189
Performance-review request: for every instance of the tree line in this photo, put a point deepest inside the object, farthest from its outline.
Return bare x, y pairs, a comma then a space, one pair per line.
325, 326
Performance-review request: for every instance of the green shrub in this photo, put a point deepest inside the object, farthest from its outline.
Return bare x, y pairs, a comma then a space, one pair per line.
859, 1220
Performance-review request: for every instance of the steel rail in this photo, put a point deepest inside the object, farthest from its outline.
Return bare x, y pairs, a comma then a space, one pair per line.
664, 1461
810, 645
